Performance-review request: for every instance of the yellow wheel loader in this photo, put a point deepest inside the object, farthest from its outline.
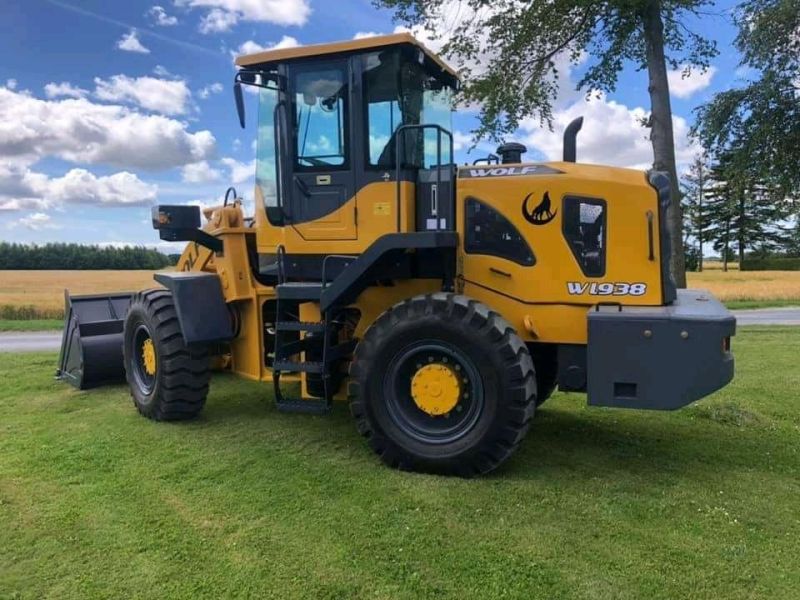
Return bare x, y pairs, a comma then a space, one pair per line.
445, 302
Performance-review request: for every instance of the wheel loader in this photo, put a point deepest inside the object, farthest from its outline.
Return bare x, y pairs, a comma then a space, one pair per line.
446, 303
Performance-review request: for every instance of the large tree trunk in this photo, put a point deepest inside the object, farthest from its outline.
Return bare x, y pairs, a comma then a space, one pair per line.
661, 135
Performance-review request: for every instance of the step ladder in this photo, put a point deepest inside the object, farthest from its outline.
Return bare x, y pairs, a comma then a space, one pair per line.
295, 339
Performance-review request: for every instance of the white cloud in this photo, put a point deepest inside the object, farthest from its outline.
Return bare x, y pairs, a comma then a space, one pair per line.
365, 34
461, 141
214, 88
240, 172
78, 130
35, 222
170, 97
79, 186
64, 89
251, 47
218, 21
612, 134
224, 14
11, 84
160, 16
684, 82
21, 188
200, 172
130, 43
162, 71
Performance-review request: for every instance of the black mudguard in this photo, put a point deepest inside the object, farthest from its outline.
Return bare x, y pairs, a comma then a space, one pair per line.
202, 312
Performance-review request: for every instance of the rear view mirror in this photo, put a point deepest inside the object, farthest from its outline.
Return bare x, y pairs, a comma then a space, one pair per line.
239, 96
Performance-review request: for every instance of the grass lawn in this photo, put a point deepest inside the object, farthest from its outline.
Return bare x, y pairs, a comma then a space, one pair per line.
31, 325
96, 501
747, 304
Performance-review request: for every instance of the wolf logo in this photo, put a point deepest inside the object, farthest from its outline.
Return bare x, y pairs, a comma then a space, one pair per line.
541, 215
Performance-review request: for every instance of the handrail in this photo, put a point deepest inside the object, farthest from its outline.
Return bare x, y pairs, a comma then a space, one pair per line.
325, 265
280, 254
398, 161
492, 158
279, 159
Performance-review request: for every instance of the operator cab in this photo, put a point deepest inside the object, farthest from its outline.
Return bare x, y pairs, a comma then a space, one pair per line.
333, 120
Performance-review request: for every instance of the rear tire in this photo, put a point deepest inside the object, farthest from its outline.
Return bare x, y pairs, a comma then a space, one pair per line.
168, 379
494, 384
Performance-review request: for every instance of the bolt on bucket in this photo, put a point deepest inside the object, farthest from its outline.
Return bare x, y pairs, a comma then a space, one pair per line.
91, 347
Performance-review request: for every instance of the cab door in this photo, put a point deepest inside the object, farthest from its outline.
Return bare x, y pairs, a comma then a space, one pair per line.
321, 194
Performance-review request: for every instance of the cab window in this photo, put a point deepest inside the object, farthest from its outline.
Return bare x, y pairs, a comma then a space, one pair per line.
320, 117
399, 91
489, 232
584, 228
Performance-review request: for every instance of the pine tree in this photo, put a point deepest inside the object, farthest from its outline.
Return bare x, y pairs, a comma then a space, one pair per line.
695, 210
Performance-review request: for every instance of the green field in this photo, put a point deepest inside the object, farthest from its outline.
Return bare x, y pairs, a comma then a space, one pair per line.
96, 501
31, 325
748, 304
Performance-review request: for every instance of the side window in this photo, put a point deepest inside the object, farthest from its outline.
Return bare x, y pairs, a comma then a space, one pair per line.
584, 227
320, 113
489, 232
399, 91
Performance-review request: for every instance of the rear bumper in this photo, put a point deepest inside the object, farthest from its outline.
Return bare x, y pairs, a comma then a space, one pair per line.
659, 358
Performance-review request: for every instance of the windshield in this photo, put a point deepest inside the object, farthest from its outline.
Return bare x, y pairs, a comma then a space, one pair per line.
267, 167
321, 105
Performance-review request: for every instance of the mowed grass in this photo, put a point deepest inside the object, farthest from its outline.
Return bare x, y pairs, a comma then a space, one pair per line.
31, 325
750, 289
43, 291
96, 501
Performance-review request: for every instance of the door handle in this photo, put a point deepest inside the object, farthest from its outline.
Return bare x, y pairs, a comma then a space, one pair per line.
651, 250
499, 272
435, 201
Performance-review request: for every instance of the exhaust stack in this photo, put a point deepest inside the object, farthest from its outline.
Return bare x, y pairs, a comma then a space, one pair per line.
570, 134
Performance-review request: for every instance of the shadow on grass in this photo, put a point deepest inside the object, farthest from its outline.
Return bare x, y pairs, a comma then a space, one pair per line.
564, 437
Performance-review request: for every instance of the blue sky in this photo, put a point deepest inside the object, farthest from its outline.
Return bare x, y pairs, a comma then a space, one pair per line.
109, 107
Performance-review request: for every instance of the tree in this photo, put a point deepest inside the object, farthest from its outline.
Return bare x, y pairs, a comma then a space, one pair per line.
742, 212
79, 257
720, 213
758, 125
508, 53
695, 210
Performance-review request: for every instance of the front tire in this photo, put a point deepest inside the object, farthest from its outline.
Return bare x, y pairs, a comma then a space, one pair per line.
168, 379
441, 383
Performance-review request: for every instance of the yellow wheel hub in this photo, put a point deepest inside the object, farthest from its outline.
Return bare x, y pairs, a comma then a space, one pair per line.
435, 389
149, 356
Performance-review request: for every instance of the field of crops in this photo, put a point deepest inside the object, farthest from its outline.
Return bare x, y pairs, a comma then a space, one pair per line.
739, 289
40, 294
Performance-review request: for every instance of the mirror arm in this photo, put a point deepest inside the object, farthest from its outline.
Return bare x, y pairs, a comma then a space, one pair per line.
238, 81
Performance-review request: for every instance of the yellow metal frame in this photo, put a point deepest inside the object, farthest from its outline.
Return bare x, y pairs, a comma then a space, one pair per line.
377, 42
534, 299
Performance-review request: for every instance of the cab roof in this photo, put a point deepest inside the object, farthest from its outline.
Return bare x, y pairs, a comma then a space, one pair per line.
360, 45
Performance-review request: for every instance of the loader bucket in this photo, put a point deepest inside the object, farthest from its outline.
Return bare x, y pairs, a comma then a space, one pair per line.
91, 348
